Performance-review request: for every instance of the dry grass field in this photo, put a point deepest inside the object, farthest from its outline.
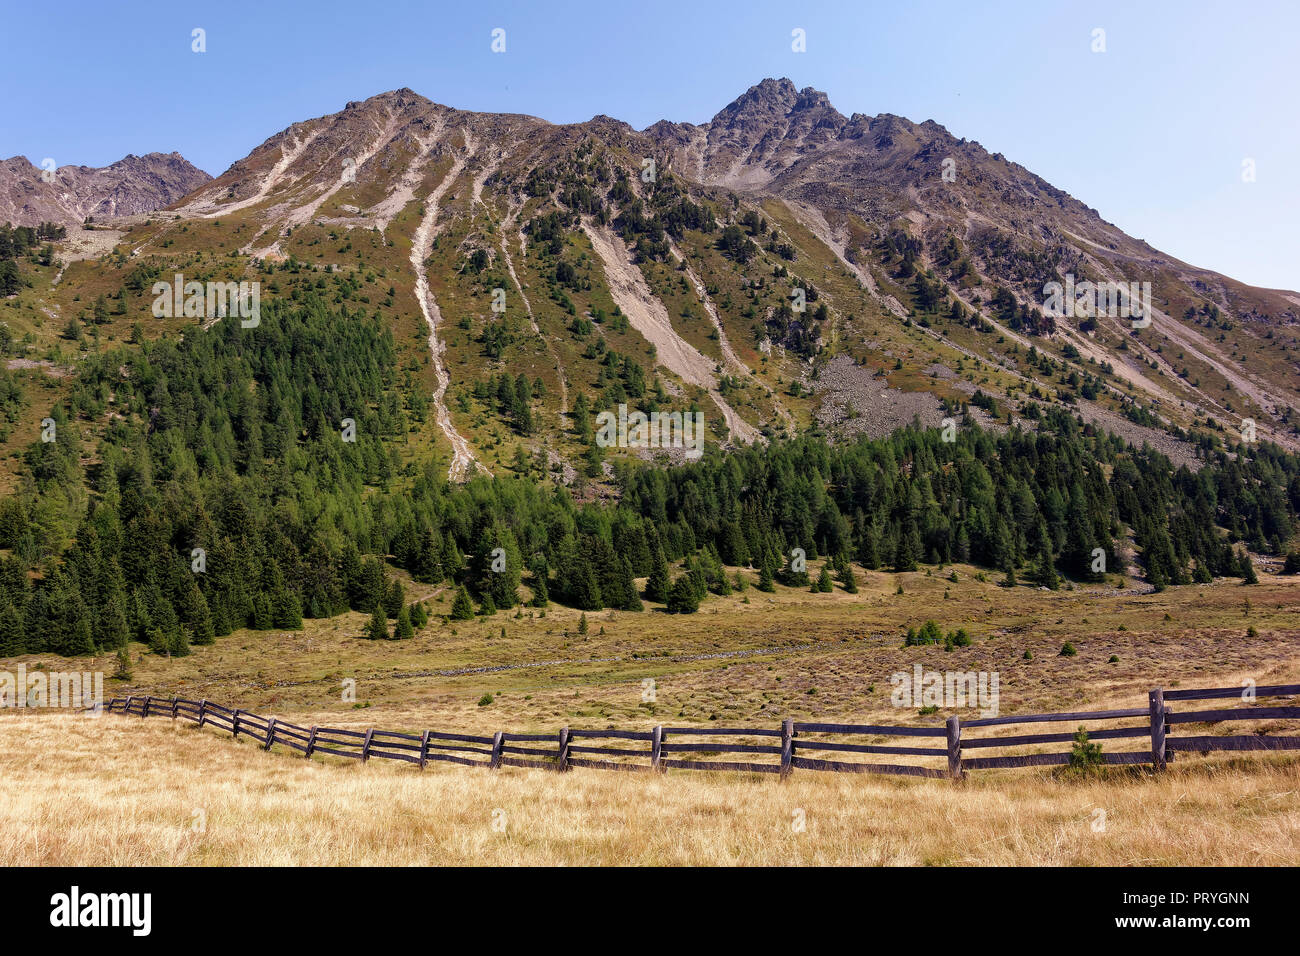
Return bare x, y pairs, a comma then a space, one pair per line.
115, 790
122, 792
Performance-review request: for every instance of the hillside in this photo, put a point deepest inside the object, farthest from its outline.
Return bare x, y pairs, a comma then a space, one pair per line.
450, 295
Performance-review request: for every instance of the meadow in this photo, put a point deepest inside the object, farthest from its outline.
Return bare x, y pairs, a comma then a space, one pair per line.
113, 790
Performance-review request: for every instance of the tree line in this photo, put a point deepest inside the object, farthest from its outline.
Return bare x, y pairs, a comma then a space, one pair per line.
222, 492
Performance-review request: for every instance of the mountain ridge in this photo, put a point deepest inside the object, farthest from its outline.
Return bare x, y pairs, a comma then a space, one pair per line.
131, 186
675, 251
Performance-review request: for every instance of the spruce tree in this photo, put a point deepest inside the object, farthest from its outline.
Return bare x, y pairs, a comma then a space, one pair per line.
11, 632
462, 609
123, 670
394, 598
1247, 566
403, 629
824, 584
419, 616
287, 611
378, 629
658, 584
540, 596
682, 599
631, 602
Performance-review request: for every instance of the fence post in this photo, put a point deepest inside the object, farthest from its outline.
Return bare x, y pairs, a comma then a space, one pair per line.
176, 704
126, 708
234, 723
787, 747
270, 734
562, 757
311, 742
954, 747
1156, 699
498, 739
203, 711
424, 749
144, 712
365, 745
656, 748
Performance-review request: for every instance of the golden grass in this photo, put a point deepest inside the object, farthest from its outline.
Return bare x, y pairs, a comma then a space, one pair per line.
117, 790
122, 792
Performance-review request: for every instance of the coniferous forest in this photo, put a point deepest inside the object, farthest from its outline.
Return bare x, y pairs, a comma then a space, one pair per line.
224, 495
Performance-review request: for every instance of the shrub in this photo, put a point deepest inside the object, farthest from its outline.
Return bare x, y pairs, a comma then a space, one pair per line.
1084, 756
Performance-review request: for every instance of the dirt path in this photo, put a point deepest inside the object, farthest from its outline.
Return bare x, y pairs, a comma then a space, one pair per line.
462, 456
648, 316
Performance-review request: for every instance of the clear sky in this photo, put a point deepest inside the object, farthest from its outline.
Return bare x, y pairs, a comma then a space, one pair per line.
1152, 132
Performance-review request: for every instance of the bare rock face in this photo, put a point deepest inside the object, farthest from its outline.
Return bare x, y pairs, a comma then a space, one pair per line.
132, 185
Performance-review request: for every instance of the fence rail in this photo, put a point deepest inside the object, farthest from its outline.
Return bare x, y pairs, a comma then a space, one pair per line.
786, 748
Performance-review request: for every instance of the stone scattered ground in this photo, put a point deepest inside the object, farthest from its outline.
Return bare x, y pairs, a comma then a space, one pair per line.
855, 402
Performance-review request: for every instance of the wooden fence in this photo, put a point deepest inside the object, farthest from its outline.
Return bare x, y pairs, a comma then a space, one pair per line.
939, 751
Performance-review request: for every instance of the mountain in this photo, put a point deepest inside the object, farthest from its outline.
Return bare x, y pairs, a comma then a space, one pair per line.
132, 185
781, 268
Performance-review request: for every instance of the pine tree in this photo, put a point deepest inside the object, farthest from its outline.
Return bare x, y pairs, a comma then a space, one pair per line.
824, 584
419, 616
766, 583
378, 629
682, 599
582, 624
905, 554
869, 547
658, 584
403, 629
11, 632
287, 611
123, 670
631, 601
462, 609
1247, 569
394, 598
540, 596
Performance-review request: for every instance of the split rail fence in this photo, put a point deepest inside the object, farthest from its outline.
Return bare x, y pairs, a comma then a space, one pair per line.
933, 751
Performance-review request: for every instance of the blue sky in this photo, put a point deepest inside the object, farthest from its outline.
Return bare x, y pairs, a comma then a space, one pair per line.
1152, 132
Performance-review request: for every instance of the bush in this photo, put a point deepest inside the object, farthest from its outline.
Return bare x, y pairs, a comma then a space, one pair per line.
1067, 650
1084, 756
682, 599
462, 609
